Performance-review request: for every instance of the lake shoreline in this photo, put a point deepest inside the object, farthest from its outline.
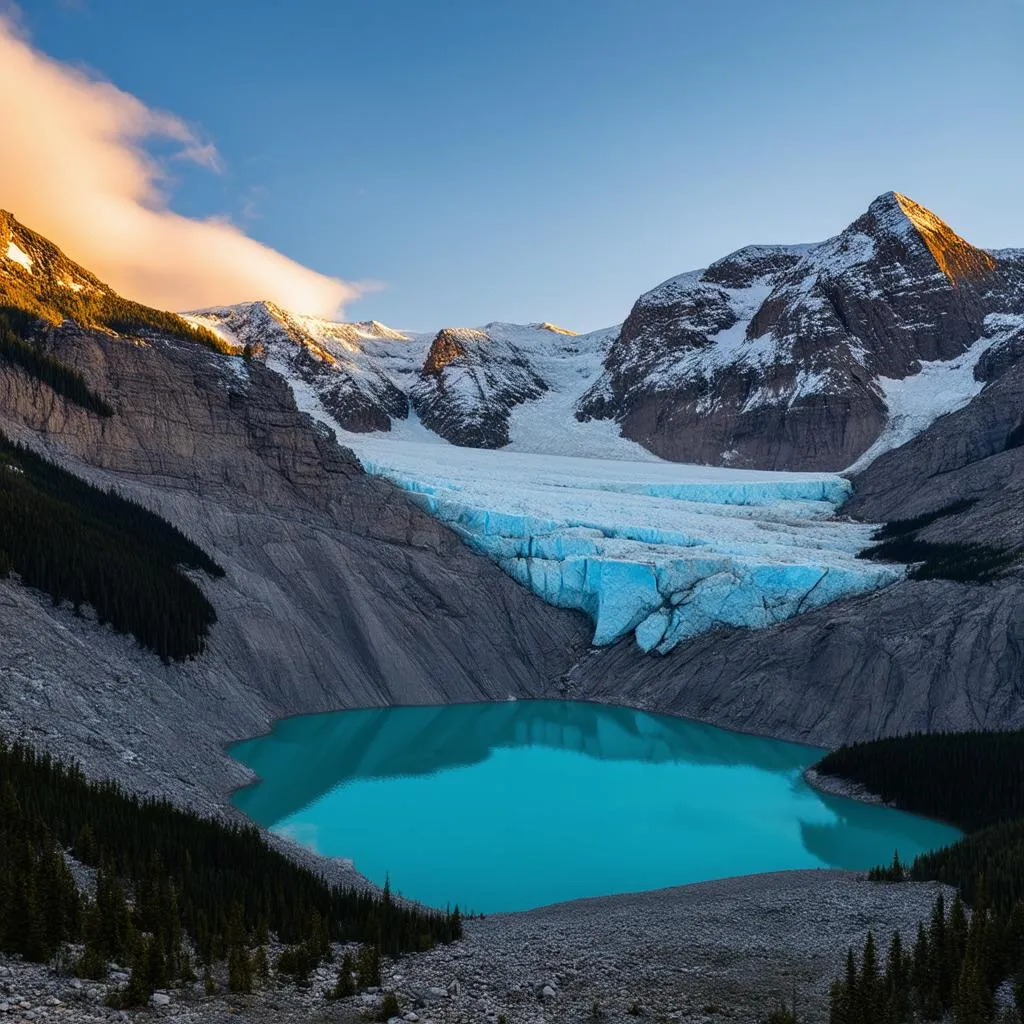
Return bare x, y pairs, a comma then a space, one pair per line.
690, 790
835, 785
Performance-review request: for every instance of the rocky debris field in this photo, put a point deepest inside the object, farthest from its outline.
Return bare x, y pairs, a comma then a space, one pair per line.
718, 951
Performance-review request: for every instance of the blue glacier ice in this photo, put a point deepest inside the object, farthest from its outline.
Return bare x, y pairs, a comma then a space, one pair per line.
661, 551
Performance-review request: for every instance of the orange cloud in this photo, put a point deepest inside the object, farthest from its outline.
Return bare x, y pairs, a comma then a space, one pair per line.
73, 167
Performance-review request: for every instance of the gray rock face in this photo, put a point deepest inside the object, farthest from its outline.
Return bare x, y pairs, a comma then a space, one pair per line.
772, 356
338, 591
470, 382
975, 454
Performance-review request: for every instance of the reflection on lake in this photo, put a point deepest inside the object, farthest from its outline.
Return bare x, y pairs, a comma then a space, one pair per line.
517, 804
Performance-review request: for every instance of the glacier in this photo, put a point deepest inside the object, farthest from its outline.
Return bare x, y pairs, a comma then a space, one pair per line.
659, 550
590, 520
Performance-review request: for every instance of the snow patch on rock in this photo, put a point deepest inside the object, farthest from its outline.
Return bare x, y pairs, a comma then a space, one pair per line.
19, 256
940, 387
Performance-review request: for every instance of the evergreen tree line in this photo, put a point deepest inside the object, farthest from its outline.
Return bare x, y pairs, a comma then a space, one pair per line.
964, 563
952, 970
974, 780
37, 364
80, 544
902, 527
166, 875
971, 779
952, 560
996, 852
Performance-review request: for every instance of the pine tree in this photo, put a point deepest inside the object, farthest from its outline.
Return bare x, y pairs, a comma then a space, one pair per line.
853, 1004
956, 931
139, 987
920, 975
838, 1004
968, 1005
367, 967
941, 981
261, 965
345, 985
157, 975
86, 848
897, 982
240, 970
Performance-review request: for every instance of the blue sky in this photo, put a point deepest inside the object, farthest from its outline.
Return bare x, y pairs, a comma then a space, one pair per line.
552, 159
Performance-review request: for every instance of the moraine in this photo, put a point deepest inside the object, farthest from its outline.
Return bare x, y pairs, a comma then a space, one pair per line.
519, 804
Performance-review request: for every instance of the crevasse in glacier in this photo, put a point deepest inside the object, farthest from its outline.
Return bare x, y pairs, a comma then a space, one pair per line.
661, 550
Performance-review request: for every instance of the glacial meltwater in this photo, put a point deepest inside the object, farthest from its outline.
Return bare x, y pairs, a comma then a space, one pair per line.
513, 805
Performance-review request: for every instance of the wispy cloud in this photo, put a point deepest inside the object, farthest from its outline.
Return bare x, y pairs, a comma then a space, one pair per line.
73, 166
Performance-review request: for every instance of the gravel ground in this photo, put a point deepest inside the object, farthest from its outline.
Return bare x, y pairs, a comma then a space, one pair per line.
718, 951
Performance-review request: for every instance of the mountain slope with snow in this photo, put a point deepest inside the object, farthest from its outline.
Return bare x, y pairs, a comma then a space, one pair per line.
777, 357
803, 357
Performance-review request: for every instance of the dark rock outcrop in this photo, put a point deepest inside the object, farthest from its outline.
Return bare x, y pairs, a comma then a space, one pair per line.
470, 382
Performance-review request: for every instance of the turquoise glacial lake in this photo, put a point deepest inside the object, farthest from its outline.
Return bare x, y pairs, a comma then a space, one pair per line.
518, 804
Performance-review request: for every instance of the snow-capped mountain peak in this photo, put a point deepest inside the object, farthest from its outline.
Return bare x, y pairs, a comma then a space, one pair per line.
772, 357
27, 255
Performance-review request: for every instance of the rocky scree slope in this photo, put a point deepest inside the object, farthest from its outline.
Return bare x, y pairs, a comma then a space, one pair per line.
338, 591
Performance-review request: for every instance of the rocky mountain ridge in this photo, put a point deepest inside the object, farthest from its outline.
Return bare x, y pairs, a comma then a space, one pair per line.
780, 357
805, 357
340, 593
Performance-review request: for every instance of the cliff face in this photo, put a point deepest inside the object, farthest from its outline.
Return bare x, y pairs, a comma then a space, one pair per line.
338, 591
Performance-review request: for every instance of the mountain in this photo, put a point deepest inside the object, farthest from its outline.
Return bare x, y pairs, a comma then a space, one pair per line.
799, 357
348, 367
38, 282
461, 383
340, 590
805, 357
